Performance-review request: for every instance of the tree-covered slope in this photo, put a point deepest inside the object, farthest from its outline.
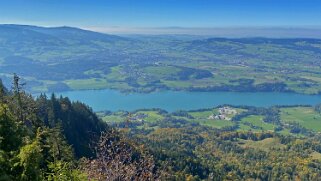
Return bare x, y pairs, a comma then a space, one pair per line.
55, 139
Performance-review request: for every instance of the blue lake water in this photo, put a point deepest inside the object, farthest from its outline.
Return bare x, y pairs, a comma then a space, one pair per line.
173, 100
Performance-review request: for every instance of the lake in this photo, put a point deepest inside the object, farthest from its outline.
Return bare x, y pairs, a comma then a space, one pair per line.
175, 100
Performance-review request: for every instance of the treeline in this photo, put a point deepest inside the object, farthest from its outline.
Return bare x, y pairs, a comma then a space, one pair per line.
245, 86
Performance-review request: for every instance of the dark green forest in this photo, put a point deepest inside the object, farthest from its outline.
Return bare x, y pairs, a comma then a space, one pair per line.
53, 138
56, 139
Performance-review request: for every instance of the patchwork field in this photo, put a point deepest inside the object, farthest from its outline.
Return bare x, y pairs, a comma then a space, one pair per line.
297, 121
89, 60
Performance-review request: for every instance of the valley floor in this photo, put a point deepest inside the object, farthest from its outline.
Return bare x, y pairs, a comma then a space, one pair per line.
287, 120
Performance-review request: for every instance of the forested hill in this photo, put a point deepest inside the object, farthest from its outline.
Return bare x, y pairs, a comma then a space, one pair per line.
56, 44
25, 34
44, 139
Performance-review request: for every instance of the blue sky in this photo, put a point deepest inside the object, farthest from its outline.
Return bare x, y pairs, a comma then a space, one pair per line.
162, 13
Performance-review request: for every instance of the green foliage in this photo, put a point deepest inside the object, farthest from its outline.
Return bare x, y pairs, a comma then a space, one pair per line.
29, 150
30, 158
10, 131
64, 171
76, 120
5, 166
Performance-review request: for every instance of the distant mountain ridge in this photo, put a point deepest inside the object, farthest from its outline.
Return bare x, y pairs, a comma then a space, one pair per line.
59, 32
35, 41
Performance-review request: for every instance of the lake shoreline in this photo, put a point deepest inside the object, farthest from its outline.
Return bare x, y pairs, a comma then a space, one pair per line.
114, 100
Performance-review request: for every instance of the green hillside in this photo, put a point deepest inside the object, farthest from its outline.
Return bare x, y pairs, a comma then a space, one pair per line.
65, 58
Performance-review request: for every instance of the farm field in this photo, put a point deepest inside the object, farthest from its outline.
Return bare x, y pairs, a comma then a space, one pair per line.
305, 116
297, 121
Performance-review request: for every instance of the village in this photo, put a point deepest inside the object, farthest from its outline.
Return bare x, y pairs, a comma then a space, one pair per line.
224, 113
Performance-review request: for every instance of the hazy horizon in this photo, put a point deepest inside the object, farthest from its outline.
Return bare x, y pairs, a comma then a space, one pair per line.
229, 32
231, 18
222, 32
